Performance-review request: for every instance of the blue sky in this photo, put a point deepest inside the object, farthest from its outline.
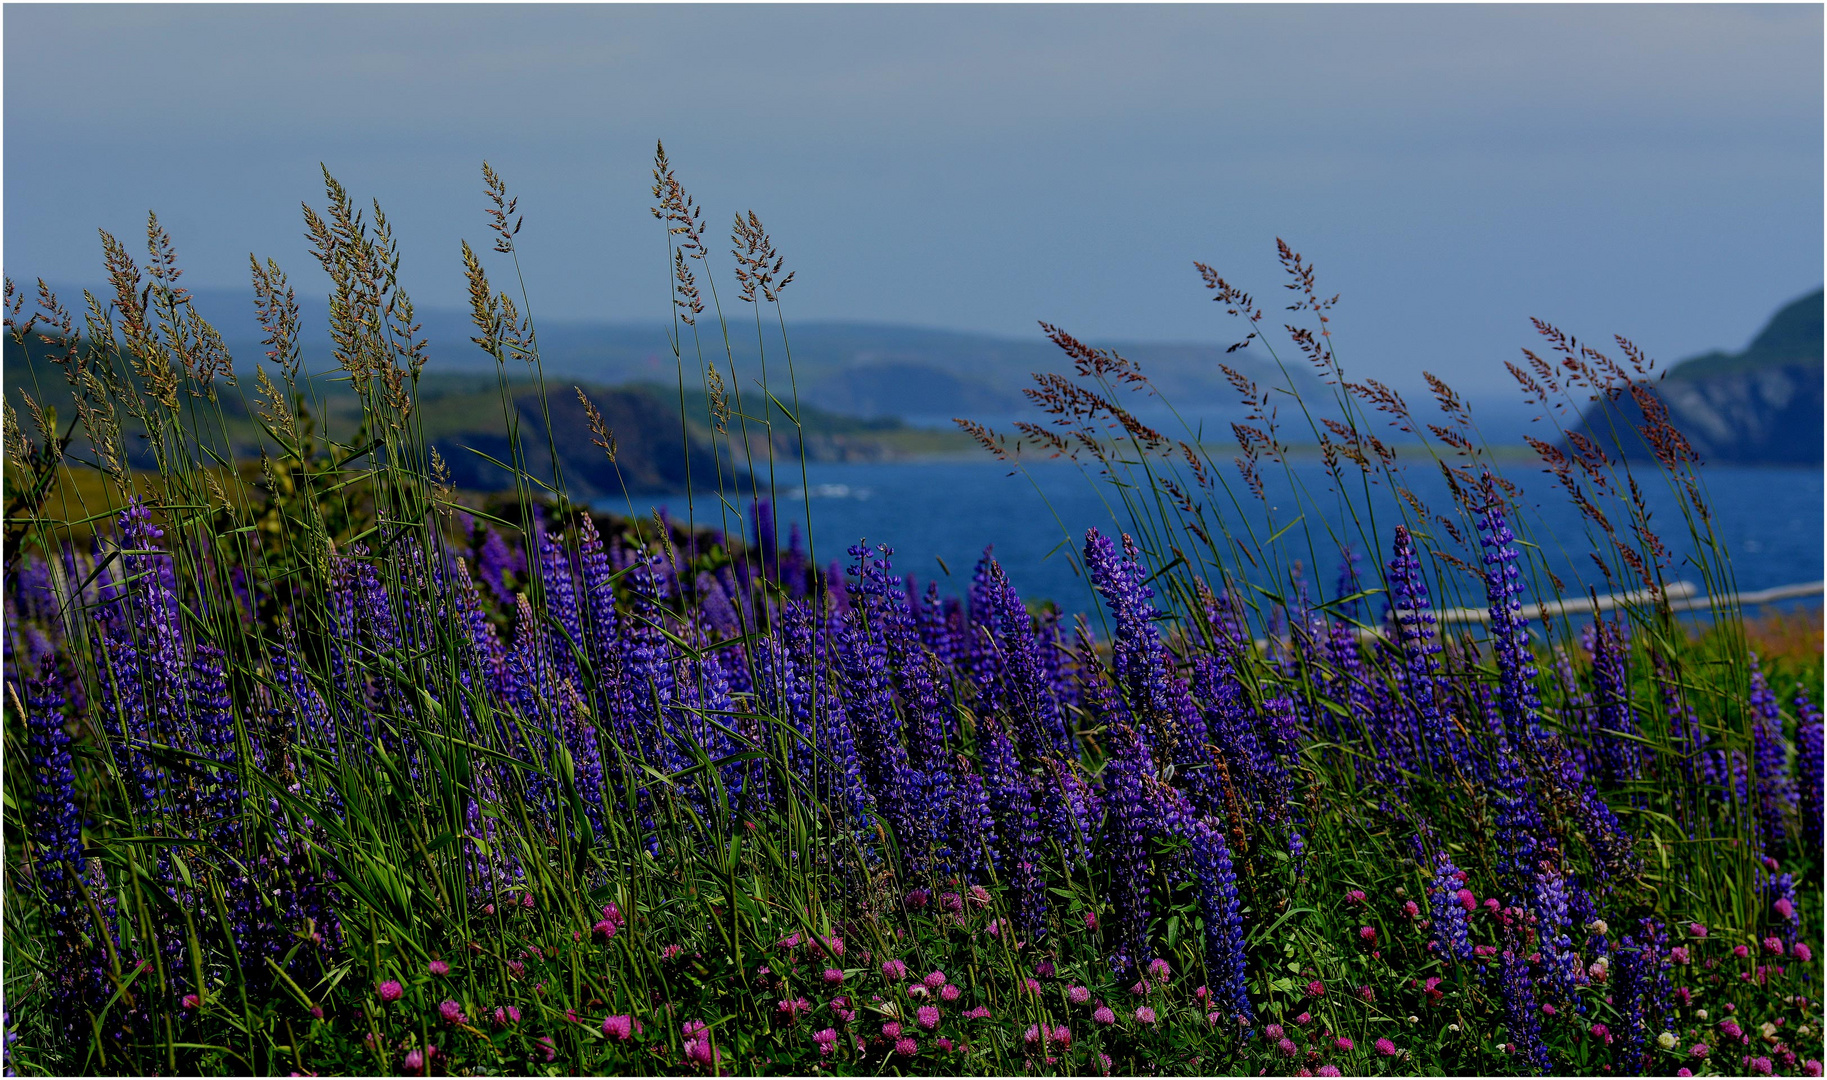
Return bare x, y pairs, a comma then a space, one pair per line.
1649, 170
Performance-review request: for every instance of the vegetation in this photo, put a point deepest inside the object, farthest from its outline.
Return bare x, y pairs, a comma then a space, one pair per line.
314, 767
1762, 406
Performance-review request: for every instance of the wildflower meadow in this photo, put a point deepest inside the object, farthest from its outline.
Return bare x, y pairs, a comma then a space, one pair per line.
317, 765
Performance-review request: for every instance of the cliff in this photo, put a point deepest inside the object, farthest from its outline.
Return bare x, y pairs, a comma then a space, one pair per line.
1761, 406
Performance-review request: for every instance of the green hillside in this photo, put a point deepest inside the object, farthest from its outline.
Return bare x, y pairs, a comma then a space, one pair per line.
1760, 406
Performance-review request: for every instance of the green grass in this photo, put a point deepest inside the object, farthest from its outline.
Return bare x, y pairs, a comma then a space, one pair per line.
583, 791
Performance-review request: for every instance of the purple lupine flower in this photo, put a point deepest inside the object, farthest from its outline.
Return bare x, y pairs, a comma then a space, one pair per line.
1641, 990
498, 566
718, 608
1521, 1015
1136, 653
80, 981
976, 647
1617, 754
971, 826
1346, 682
56, 821
1019, 854
578, 734
1780, 891
868, 695
1232, 729
795, 568
1775, 797
1026, 694
1449, 916
1216, 883
558, 581
144, 642
1517, 695
212, 707
1412, 619
1519, 822
1808, 766
1550, 902
1129, 829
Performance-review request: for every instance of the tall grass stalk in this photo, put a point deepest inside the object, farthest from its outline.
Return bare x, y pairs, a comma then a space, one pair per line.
314, 765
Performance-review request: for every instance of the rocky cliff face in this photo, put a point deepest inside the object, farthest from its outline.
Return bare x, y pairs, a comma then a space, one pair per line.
1768, 416
1762, 406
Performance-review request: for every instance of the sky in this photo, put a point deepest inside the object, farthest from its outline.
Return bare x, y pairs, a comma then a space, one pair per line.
1451, 171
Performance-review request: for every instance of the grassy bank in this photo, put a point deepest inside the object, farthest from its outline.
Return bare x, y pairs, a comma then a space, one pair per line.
314, 767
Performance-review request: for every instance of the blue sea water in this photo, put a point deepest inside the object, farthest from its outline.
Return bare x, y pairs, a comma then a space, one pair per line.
938, 516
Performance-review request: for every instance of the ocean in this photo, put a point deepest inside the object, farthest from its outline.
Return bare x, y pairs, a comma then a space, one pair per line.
938, 517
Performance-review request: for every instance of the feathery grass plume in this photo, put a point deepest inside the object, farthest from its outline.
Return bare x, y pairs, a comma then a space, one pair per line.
290, 789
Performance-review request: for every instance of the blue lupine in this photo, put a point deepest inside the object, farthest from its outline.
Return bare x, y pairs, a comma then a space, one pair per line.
1551, 903
79, 986
1640, 991
1344, 684
1617, 753
1222, 911
1613, 850
1521, 1014
1226, 621
34, 593
1026, 695
489, 657
1129, 826
1230, 726
1519, 822
559, 579
1071, 808
868, 695
144, 647
719, 613
1450, 929
977, 648
1686, 734
528, 725
972, 826
578, 735
213, 709
1808, 765
1214, 882
795, 572
1779, 896
1576, 708
1509, 630
1136, 654
1413, 621
1019, 852
1775, 797
497, 566
56, 821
